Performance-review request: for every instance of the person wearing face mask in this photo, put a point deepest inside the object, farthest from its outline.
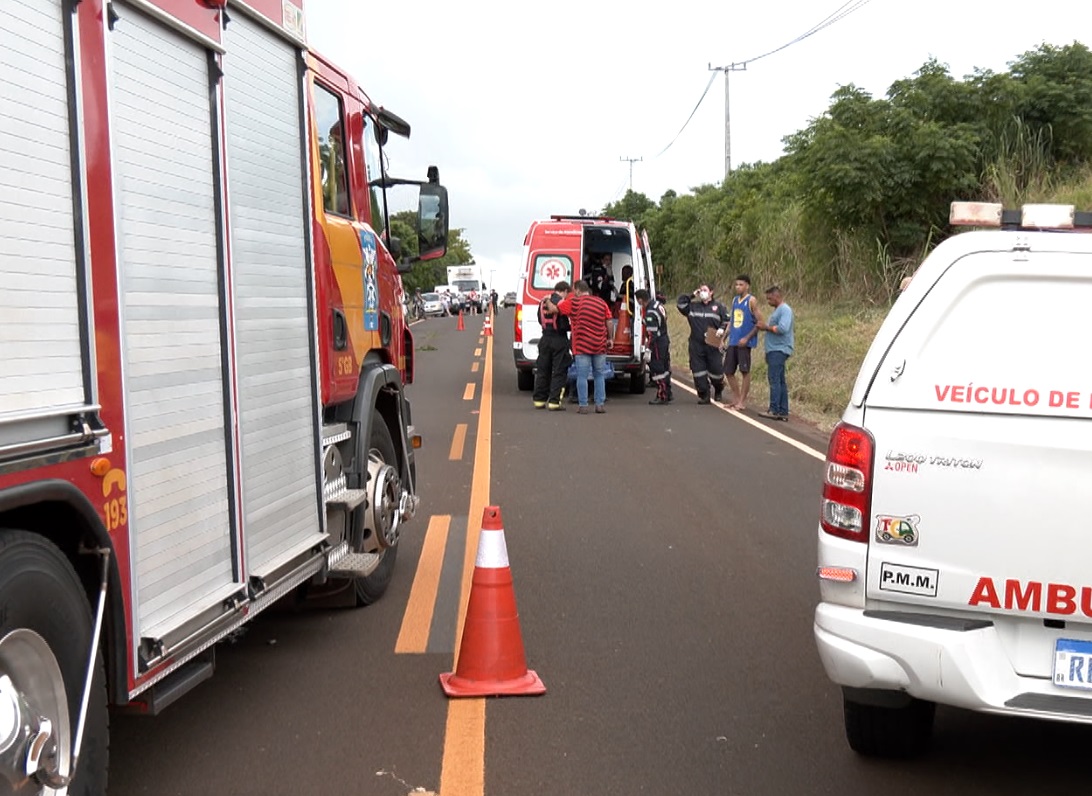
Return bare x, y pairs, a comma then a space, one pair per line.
708, 321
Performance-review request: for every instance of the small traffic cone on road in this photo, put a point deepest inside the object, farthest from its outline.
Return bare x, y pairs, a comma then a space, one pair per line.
460, 327
491, 659
487, 329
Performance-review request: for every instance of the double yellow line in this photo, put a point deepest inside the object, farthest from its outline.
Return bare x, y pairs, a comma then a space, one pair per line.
463, 768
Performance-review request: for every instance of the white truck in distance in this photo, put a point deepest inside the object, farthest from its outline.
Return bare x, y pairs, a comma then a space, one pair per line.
467, 279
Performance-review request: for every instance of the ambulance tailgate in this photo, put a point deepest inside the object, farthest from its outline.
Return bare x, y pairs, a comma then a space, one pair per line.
983, 451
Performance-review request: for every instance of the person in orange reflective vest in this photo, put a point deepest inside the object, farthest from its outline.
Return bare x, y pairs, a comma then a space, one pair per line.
552, 365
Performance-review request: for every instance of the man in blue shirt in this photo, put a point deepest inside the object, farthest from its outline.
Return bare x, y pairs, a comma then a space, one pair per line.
779, 347
742, 339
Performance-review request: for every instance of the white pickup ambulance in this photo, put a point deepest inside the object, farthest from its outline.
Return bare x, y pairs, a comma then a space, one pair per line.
953, 565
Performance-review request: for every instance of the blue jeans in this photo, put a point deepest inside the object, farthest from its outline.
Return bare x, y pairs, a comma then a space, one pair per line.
591, 365
779, 391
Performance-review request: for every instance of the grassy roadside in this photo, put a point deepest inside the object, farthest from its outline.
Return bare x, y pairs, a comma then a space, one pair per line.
831, 342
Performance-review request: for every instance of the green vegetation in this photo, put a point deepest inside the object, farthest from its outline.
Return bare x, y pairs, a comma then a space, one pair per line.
427, 275
861, 197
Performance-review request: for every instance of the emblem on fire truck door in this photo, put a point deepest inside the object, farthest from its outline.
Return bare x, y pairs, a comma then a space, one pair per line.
371, 285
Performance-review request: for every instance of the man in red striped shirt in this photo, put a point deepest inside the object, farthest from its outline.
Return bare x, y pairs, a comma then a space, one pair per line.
589, 317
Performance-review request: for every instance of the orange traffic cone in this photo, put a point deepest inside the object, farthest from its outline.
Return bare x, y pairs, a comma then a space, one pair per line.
487, 330
491, 659
460, 328
623, 331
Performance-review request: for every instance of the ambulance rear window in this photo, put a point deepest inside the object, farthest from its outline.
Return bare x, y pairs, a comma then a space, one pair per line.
550, 269
996, 335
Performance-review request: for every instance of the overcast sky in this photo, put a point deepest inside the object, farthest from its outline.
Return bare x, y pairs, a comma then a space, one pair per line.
528, 108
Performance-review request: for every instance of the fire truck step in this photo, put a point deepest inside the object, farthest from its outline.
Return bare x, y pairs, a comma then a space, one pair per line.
355, 565
335, 432
348, 499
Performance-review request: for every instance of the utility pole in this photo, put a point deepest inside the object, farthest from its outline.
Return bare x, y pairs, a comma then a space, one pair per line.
631, 162
727, 115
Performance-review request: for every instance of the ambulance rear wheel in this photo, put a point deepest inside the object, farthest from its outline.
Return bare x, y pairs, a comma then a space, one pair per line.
45, 637
637, 383
894, 732
525, 380
371, 587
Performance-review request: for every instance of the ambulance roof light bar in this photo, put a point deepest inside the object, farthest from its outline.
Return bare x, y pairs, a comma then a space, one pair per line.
1030, 216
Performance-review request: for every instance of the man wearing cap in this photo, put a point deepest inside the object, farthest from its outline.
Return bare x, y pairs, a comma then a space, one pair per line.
705, 315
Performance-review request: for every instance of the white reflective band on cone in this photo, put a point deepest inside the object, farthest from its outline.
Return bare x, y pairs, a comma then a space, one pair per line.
492, 551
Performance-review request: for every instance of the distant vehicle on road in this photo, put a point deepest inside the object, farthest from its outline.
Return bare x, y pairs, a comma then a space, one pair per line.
509, 299
432, 304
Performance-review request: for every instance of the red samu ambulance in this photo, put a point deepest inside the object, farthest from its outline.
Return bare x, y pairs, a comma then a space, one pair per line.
562, 248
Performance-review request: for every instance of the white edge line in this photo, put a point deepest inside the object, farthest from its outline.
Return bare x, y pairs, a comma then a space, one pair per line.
800, 446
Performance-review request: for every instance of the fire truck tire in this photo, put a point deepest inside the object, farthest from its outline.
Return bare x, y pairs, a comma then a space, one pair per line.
371, 588
40, 592
525, 380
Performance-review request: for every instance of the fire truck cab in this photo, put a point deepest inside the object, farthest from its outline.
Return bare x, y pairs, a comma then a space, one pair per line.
202, 407
564, 248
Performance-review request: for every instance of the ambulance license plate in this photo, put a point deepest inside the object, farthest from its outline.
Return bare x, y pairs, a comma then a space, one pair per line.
1073, 664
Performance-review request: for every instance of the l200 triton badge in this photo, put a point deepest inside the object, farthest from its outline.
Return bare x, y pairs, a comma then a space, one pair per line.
897, 530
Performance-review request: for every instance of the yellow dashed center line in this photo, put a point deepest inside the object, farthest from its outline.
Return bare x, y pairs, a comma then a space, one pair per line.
468, 394
463, 770
457, 442
413, 637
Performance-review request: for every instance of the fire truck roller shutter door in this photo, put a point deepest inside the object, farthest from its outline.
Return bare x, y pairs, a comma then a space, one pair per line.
39, 309
278, 404
172, 316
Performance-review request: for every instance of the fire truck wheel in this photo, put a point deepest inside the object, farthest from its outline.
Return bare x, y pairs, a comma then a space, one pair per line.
43, 601
371, 588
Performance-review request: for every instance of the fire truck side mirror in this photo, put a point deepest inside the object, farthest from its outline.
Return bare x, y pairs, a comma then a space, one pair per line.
432, 221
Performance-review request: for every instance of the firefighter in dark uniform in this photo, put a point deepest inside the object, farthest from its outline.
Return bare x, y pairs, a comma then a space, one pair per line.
659, 345
552, 365
706, 360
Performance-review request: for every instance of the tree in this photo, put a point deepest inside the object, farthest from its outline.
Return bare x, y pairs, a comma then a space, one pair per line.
427, 275
631, 207
1057, 95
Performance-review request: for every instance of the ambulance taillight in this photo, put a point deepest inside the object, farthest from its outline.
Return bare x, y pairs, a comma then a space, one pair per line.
847, 483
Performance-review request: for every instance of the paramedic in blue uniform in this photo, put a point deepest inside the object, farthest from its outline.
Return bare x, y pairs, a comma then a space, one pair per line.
552, 365
706, 361
659, 345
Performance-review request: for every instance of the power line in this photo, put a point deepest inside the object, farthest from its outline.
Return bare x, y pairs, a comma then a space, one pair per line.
688, 118
838, 14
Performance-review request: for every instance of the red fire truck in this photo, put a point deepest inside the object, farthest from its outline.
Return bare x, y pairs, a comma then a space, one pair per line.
202, 407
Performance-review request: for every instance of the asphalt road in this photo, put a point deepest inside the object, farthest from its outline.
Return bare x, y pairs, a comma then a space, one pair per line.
663, 563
